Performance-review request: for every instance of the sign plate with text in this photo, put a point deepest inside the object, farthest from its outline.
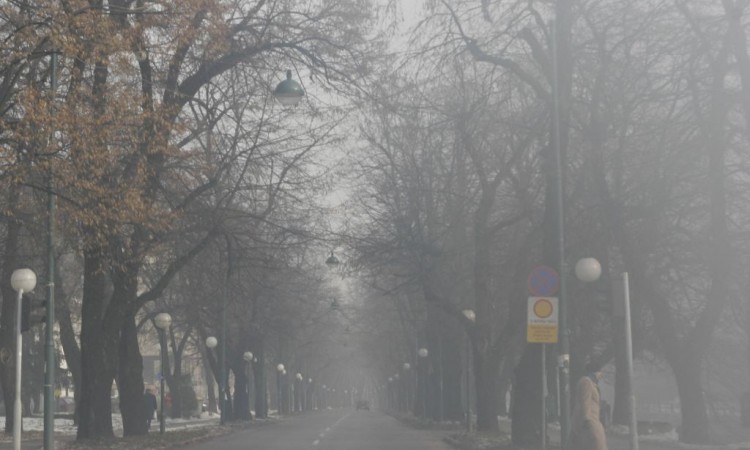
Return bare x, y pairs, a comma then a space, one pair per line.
542, 326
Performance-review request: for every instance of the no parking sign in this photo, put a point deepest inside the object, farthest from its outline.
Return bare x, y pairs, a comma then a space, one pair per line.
543, 281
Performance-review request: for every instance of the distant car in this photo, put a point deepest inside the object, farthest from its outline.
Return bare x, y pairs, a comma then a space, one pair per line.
363, 404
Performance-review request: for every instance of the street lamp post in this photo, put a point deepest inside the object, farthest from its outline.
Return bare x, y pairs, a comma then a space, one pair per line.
248, 357
309, 392
162, 322
280, 370
407, 380
589, 270
298, 391
423, 353
49, 339
22, 280
471, 317
629, 362
399, 392
223, 381
563, 358
390, 393
211, 343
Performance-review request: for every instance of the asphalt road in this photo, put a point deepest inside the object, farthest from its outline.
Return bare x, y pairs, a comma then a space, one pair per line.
330, 430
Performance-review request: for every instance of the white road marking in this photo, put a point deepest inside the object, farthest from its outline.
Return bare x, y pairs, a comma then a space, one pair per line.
323, 433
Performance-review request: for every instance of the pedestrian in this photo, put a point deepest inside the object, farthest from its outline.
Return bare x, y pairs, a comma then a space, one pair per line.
149, 400
587, 431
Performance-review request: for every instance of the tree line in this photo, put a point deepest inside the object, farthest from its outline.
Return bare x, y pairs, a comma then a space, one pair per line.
181, 186
457, 187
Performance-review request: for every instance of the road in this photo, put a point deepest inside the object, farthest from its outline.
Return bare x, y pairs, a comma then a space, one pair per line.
347, 429
330, 430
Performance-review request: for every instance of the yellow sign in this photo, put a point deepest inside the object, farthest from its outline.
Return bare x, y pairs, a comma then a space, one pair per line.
541, 327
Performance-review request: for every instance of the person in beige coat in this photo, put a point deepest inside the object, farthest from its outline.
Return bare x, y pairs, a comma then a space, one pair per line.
587, 431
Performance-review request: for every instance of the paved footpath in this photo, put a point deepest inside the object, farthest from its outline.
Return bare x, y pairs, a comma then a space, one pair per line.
37, 443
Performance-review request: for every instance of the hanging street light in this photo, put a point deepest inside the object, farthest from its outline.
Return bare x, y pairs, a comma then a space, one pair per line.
332, 260
289, 92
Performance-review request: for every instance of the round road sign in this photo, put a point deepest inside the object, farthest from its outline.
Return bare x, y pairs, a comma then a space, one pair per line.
543, 282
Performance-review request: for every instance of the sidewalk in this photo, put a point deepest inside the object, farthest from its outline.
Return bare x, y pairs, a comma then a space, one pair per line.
32, 439
619, 443
736, 438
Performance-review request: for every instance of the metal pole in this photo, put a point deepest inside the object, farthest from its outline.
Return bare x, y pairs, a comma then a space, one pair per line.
19, 361
629, 362
278, 393
468, 384
425, 390
162, 339
440, 379
251, 394
49, 346
223, 382
564, 355
544, 397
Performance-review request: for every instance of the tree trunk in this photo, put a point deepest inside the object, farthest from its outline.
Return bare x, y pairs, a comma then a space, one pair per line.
695, 424
98, 355
485, 378
68, 339
210, 383
241, 398
98, 372
8, 312
452, 372
226, 397
174, 381
526, 413
130, 381
259, 376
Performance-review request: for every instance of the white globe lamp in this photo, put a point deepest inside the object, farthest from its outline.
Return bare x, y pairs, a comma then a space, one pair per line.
588, 270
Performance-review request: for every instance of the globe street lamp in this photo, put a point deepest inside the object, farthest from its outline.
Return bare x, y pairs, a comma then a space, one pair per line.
248, 357
471, 317
162, 322
289, 92
21, 280
588, 270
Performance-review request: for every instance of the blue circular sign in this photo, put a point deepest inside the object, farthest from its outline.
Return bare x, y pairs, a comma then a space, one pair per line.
543, 281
